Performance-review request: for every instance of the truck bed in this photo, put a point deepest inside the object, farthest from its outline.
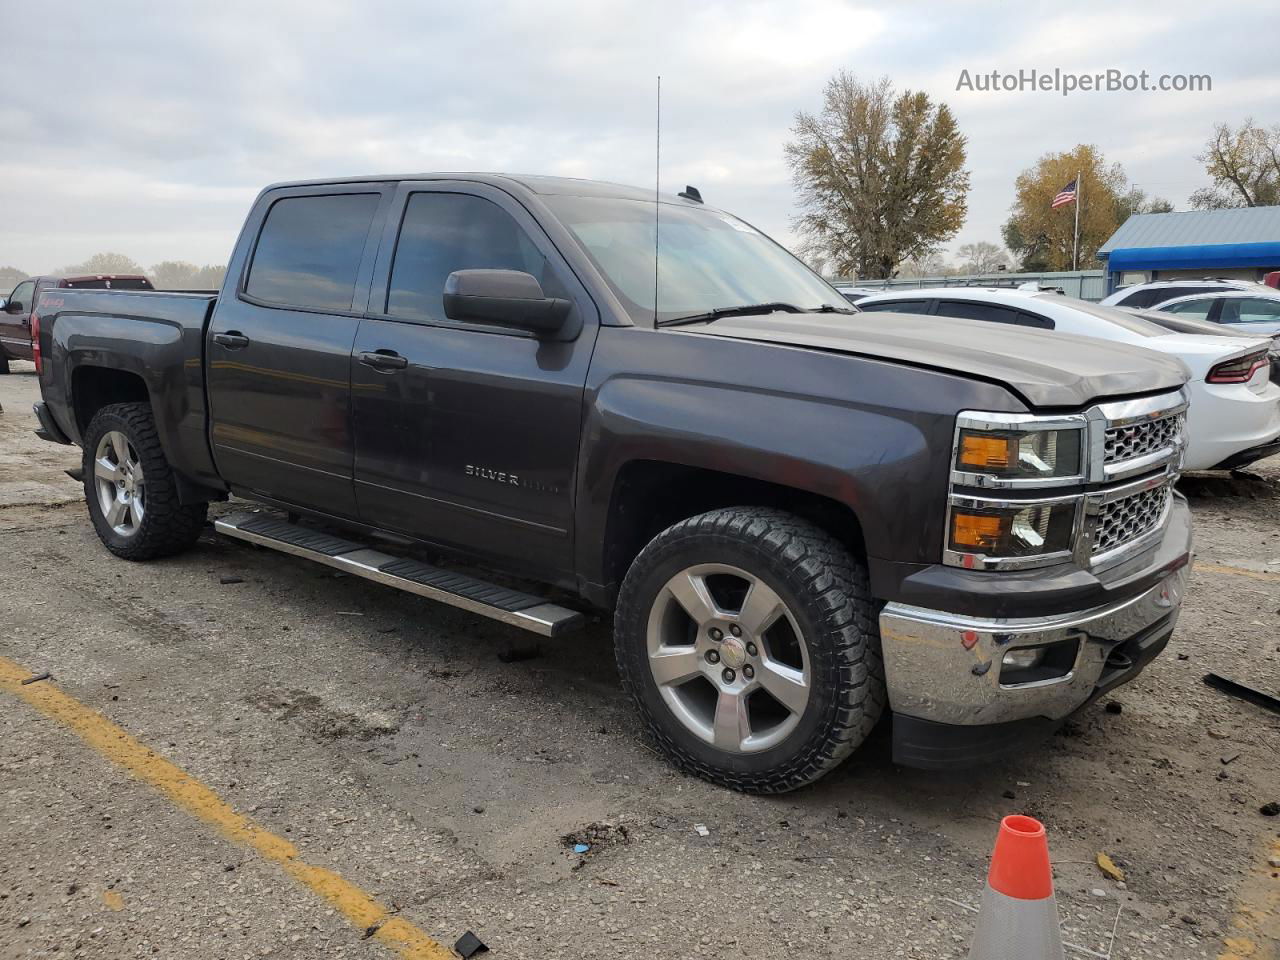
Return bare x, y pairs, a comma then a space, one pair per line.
155, 337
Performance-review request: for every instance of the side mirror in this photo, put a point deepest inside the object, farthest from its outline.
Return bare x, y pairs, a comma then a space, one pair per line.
14, 306
509, 298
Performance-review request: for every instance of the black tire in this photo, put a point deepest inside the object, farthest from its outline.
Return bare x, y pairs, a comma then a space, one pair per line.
826, 590
167, 526
4, 362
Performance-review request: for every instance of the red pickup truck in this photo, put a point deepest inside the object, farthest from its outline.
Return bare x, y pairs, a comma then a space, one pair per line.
16, 309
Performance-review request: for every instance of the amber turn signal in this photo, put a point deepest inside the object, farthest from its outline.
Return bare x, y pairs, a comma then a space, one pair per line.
978, 531
985, 450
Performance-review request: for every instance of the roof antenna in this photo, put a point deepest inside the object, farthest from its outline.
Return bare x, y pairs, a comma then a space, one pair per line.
690, 193
657, 168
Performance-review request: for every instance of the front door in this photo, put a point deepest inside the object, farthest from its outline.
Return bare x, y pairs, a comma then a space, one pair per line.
467, 435
15, 321
279, 346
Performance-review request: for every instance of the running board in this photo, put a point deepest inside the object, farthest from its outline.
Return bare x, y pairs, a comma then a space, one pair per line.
456, 589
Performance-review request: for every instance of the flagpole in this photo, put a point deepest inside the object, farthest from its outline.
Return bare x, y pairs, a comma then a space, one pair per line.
1075, 244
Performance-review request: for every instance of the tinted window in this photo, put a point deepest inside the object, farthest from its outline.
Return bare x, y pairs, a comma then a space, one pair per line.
1197, 309
1154, 295
1034, 320
111, 283
977, 311
1250, 310
897, 306
310, 249
444, 232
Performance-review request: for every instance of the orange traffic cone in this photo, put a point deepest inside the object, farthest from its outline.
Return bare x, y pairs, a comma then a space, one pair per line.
1019, 917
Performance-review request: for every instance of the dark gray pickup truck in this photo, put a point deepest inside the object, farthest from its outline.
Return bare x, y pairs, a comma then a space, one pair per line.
799, 515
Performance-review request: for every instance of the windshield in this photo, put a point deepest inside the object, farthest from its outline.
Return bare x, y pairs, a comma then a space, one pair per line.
1121, 318
707, 259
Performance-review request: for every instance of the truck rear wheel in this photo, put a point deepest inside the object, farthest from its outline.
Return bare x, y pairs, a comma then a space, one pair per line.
130, 488
747, 638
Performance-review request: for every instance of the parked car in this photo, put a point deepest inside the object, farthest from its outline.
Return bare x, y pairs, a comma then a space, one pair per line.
1235, 407
1254, 313
17, 308
797, 514
1184, 324
854, 293
1161, 291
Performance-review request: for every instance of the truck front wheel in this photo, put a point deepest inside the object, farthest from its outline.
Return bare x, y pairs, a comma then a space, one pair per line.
130, 488
747, 637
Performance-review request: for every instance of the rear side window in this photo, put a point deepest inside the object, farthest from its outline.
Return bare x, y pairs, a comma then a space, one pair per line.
897, 306
977, 311
1250, 310
310, 249
1196, 309
444, 232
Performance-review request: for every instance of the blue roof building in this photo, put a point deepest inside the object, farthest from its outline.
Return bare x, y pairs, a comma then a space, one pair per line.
1241, 243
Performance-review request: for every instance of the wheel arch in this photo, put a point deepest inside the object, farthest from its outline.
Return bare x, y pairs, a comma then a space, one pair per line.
650, 495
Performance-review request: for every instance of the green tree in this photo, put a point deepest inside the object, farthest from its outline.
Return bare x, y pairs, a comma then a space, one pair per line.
1042, 236
879, 175
1244, 165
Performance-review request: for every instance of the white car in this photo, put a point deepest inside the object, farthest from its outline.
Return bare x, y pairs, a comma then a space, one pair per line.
1234, 417
1147, 295
1248, 312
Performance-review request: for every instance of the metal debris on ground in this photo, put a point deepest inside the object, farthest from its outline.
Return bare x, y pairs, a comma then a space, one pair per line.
226, 581
37, 678
1239, 690
702, 830
469, 945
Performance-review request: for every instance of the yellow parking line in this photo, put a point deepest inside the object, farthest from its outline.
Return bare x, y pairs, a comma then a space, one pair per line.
361, 910
1237, 571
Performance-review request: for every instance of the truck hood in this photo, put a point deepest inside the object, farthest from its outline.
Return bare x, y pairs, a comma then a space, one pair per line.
1047, 369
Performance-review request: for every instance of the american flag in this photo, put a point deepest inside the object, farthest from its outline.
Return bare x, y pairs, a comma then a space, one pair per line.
1066, 195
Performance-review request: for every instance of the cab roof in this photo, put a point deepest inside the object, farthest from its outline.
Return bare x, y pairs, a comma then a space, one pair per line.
534, 183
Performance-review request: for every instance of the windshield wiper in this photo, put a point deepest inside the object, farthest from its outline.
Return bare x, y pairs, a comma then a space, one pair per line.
750, 310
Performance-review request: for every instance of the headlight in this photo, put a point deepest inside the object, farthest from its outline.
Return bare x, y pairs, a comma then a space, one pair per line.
1023, 454
1004, 530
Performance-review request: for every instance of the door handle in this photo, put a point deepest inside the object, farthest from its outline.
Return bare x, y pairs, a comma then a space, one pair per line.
383, 360
232, 339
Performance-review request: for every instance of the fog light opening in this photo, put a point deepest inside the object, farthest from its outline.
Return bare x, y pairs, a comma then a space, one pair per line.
1050, 661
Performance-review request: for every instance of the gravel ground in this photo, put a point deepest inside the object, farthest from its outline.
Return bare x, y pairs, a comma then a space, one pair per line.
386, 738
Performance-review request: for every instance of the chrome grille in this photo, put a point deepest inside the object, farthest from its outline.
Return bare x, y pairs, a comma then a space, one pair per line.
1139, 439
1125, 520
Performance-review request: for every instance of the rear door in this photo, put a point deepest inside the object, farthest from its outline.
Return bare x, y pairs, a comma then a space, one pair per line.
279, 344
468, 435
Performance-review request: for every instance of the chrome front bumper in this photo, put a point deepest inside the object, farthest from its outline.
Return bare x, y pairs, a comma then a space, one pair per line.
946, 668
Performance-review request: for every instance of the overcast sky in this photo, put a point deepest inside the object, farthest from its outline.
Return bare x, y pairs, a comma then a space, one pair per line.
147, 129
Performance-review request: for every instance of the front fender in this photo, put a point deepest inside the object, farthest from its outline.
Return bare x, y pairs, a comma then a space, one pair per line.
871, 435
